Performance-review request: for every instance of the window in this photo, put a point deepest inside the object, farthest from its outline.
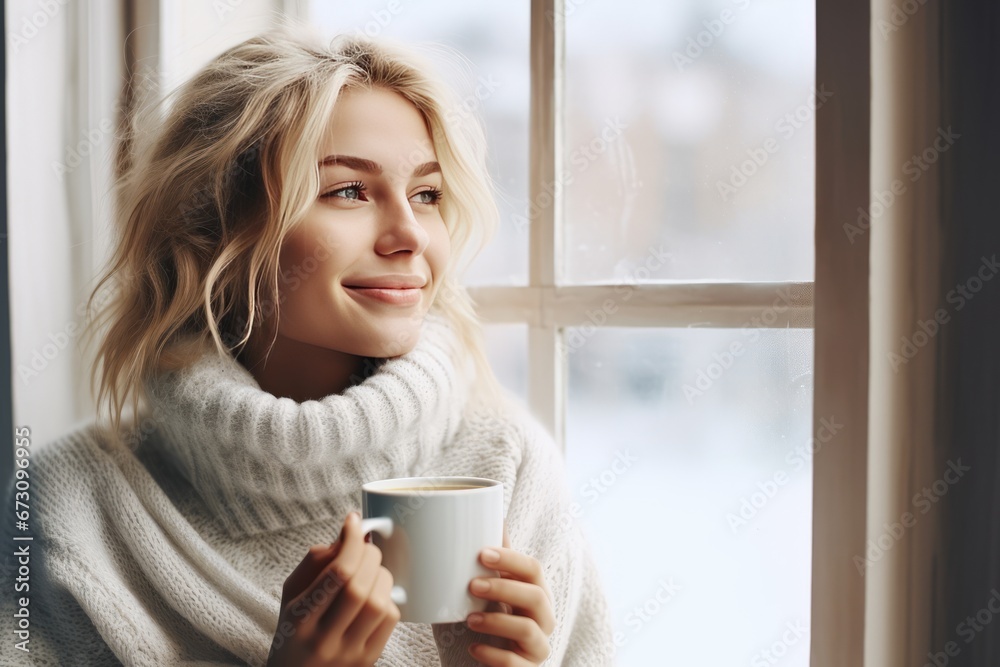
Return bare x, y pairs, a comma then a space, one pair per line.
657, 225
650, 289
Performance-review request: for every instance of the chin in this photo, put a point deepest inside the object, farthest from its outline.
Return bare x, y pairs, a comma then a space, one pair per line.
388, 340
388, 349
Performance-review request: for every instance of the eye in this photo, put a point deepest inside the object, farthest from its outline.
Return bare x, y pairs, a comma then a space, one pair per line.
432, 196
353, 191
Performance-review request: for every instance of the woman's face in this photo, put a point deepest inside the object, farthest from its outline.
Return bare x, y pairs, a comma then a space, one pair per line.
359, 273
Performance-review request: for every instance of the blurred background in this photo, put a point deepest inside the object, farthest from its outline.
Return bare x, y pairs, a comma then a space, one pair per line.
688, 152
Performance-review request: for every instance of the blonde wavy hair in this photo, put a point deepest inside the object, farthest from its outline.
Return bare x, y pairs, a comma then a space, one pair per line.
218, 171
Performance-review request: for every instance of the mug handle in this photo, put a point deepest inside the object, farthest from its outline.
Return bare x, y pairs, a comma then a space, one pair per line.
383, 526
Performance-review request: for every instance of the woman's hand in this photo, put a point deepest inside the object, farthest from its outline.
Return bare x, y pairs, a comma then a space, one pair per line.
335, 606
520, 611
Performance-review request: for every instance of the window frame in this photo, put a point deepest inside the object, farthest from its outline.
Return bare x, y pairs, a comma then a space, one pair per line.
838, 300
548, 305
835, 305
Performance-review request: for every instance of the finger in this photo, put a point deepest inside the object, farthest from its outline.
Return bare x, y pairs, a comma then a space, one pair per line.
491, 656
526, 599
318, 557
520, 566
524, 631
354, 594
352, 544
316, 599
378, 639
373, 611
515, 565
501, 607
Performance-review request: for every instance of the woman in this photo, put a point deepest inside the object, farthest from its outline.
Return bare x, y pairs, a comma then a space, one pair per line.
287, 324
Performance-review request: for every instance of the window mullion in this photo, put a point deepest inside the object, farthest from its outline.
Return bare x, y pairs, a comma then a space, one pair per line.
547, 368
723, 305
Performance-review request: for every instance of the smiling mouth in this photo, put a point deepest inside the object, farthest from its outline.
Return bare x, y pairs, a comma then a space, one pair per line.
395, 296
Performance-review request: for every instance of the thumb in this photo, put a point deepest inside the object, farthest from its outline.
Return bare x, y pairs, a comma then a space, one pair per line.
506, 537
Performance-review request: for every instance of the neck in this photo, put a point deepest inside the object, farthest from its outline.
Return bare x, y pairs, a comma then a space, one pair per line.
304, 372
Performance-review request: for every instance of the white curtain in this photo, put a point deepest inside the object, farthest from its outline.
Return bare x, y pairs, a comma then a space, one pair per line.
67, 61
63, 60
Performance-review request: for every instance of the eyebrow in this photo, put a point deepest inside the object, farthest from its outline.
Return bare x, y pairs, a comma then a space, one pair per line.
368, 166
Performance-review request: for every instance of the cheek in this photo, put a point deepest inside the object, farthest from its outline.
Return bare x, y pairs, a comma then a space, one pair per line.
308, 262
292, 251
438, 248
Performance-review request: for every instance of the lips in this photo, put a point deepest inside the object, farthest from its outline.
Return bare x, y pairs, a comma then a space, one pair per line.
396, 290
387, 282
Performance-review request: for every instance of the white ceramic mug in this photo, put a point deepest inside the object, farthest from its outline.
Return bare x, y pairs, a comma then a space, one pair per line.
430, 534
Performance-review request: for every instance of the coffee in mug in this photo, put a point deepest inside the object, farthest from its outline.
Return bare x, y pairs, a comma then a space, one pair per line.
446, 487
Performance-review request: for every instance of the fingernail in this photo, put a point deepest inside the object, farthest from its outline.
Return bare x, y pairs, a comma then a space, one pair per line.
475, 619
480, 585
490, 555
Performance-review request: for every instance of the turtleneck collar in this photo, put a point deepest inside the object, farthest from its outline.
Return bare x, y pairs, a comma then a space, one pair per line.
261, 463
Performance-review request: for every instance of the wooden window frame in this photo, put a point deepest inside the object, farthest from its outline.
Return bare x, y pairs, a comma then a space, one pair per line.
835, 305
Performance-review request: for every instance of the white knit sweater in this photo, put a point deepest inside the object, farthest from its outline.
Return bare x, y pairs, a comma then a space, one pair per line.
176, 554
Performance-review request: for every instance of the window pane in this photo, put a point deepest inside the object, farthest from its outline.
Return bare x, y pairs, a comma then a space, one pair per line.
690, 128
507, 349
690, 462
493, 38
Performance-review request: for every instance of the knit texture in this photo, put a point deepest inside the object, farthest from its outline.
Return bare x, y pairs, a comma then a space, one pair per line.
175, 554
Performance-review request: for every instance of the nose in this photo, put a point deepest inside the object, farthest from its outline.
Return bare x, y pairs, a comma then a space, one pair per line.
399, 230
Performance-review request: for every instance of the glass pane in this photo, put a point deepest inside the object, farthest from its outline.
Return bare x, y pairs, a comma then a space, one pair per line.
493, 83
689, 140
689, 455
507, 349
